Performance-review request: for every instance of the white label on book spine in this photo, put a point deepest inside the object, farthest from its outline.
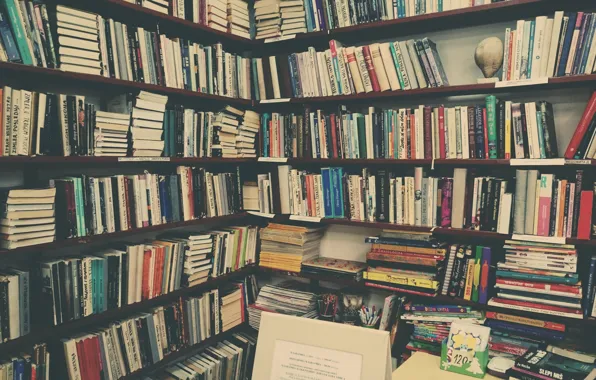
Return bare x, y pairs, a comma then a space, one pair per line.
578, 162
273, 159
312, 219
282, 100
539, 239
143, 159
537, 162
522, 82
280, 38
262, 214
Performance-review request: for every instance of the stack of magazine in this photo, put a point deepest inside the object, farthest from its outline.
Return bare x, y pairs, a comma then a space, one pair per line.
285, 246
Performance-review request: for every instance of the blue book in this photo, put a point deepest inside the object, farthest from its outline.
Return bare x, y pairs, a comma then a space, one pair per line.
10, 45
537, 332
317, 146
296, 86
327, 193
309, 16
163, 198
319, 10
338, 193
479, 132
568, 279
587, 46
18, 369
589, 297
265, 127
253, 64
566, 44
175, 197
581, 40
531, 48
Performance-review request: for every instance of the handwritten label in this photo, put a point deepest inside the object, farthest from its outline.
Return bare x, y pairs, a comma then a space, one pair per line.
537, 162
262, 214
273, 159
143, 159
312, 219
578, 162
282, 100
522, 82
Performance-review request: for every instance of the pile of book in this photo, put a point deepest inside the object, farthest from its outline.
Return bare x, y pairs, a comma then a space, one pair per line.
404, 262
246, 141
120, 203
225, 132
582, 145
198, 257
268, 20
30, 365
15, 314
431, 324
289, 297
540, 278
423, 132
467, 273
216, 15
293, 19
27, 217
351, 70
238, 18
558, 364
236, 354
78, 41
110, 133
334, 268
232, 307
285, 246
550, 47
147, 125
545, 205
512, 335
161, 6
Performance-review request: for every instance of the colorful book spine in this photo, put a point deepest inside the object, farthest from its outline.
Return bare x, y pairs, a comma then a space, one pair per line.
484, 275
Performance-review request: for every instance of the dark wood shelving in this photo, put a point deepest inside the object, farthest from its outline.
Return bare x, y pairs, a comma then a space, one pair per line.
90, 160
438, 92
122, 234
48, 333
18, 74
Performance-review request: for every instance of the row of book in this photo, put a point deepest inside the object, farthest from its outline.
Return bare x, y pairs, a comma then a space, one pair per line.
131, 344
496, 130
548, 47
234, 355
350, 70
27, 365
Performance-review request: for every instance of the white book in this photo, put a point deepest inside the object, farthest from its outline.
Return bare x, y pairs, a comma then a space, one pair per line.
24, 127
16, 120
465, 137
451, 131
548, 31
78, 43
403, 51
504, 213
419, 128
389, 66
507, 56
519, 42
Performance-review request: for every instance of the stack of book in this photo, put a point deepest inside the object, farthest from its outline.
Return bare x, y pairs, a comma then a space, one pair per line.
558, 365
232, 307
27, 217
352, 70
550, 47
110, 133
293, 19
545, 205
268, 20
15, 315
467, 273
161, 6
288, 297
285, 246
424, 132
405, 263
512, 335
32, 365
78, 41
236, 353
334, 268
217, 15
432, 323
582, 145
540, 278
238, 18
251, 196
225, 132
246, 141
198, 258
147, 125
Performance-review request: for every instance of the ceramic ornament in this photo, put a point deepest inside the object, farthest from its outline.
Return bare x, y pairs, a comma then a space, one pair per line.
489, 58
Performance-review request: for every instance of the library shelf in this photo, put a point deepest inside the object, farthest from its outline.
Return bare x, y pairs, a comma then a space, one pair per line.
185, 351
58, 244
18, 75
437, 92
394, 161
106, 161
52, 333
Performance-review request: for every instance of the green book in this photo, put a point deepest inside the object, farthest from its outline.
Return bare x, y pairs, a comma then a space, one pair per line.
80, 205
540, 128
491, 120
477, 269
396, 63
16, 24
166, 135
361, 134
94, 290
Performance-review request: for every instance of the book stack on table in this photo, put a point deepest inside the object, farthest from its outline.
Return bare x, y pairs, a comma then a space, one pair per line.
285, 246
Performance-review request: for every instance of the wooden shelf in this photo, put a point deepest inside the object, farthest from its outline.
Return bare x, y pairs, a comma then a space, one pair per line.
90, 160
123, 234
48, 333
19, 75
440, 92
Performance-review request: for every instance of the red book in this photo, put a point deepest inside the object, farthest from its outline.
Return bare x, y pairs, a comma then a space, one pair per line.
158, 271
508, 348
127, 203
442, 132
412, 135
584, 224
81, 356
428, 148
147, 257
537, 307
540, 287
525, 321
371, 69
90, 356
240, 232
582, 127
398, 290
333, 137
484, 125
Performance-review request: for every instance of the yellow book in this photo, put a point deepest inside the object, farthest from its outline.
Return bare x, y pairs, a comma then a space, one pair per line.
469, 280
401, 280
508, 130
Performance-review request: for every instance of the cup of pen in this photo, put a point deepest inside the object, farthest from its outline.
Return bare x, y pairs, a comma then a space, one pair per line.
369, 317
327, 306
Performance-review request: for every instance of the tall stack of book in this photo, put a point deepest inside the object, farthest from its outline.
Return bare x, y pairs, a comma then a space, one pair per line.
27, 217
403, 262
198, 259
225, 132
161, 6
232, 307
293, 18
246, 140
467, 273
432, 323
111, 133
334, 268
78, 40
288, 297
147, 125
285, 246
217, 15
539, 277
558, 365
15, 315
512, 335
238, 18
268, 19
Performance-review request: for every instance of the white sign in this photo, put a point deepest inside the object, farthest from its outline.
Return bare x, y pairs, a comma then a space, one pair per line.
294, 361
522, 82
